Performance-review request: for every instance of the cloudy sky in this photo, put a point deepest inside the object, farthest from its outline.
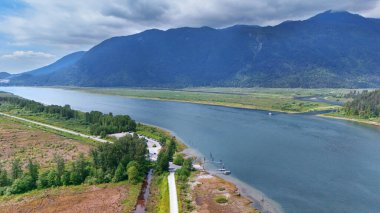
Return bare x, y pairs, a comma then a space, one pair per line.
34, 33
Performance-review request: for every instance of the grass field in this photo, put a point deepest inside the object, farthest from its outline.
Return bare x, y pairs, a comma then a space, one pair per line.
19, 140
251, 98
109, 197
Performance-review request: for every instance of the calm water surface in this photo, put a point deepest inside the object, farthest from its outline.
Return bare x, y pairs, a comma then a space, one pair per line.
303, 162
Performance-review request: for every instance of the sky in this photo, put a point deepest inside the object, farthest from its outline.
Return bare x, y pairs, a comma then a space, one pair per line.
35, 33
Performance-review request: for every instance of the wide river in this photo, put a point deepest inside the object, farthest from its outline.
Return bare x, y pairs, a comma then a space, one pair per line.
303, 163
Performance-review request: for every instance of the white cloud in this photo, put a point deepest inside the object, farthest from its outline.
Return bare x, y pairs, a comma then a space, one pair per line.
26, 54
73, 24
20, 60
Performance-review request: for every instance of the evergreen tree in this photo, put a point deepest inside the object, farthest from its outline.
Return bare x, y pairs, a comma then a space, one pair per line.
162, 164
33, 172
4, 180
16, 169
119, 173
60, 168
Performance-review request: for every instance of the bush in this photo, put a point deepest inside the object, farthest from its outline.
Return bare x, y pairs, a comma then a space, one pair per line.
53, 178
133, 174
91, 180
3, 190
43, 180
22, 184
221, 199
66, 178
178, 159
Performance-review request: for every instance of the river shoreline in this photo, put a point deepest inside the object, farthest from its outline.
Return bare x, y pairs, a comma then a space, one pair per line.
372, 123
258, 199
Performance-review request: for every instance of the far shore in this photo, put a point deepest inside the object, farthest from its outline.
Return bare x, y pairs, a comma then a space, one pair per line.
211, 103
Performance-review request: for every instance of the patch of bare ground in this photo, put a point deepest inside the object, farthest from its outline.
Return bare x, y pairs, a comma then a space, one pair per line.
19, 140
103, 199
212, 194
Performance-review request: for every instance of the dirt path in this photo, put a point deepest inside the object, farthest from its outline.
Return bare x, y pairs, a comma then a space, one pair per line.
56, 128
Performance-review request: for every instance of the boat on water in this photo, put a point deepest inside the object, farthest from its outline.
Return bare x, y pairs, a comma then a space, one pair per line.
224, 171
227, 172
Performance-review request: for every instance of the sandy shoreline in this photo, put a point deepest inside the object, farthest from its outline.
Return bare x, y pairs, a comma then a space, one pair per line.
259, 199
373, 123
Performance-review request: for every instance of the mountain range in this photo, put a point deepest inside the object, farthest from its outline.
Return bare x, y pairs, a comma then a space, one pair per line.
331, 49
4, 75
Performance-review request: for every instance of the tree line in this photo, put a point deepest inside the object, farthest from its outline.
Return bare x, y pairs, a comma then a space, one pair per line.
126, 159
365, 105
168, 154
100, 124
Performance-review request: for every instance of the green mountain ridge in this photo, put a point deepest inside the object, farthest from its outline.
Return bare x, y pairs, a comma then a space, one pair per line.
331, 49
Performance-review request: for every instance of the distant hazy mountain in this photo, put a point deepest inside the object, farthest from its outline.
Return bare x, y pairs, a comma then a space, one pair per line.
331, 49
4, 75
4, 78
33, 76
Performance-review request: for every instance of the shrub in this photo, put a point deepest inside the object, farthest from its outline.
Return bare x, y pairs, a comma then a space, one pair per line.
22, 184
43, 180
3, 190
178, 159
133, 174
221, 199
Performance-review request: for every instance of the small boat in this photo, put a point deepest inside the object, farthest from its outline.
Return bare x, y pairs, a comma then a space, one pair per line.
269, 113
227, 172
222, 170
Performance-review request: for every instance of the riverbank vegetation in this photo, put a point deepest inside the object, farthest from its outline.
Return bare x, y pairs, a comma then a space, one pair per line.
365, 107
158, 134
251, 98
94, 122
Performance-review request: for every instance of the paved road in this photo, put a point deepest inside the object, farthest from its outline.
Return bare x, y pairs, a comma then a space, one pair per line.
173, 193
57, 128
